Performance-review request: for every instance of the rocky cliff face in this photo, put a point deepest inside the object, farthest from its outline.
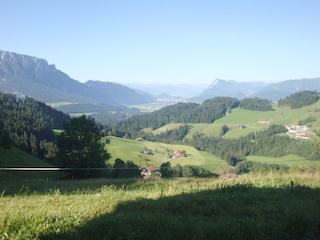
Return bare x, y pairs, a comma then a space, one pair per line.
16, 66
34, 77
24, 61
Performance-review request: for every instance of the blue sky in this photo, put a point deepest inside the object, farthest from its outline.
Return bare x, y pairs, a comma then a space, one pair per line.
166, 40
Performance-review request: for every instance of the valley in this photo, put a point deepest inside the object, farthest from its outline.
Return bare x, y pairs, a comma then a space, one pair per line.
235, 167
162, 120
240, 122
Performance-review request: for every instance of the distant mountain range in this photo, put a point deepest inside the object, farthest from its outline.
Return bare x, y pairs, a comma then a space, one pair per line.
229, 88
34, 77
240, 90
275, 91
174, 90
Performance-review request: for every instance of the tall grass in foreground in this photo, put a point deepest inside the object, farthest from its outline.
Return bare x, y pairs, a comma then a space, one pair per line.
249, 207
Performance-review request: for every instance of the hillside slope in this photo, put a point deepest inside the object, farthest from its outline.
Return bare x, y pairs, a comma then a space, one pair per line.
18, 158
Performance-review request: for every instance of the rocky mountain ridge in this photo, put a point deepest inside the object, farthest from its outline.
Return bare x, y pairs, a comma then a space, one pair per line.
34, 77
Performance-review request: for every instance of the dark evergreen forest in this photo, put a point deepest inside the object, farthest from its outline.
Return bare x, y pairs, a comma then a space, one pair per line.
30, 124
256, 104
299, 99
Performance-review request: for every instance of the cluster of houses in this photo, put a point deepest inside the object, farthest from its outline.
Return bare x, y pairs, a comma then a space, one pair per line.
151, 171
263, 121
298, 132
176, 154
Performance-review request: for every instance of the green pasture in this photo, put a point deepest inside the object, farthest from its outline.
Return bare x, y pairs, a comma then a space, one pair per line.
206, 129
241, 122
249, 119
127, 149
283, 116
167, 127
195, 157
211, 161
240, 116
17, 158
289, 160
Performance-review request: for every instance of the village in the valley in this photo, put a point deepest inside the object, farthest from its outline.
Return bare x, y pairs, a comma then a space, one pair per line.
298, 132
295, 131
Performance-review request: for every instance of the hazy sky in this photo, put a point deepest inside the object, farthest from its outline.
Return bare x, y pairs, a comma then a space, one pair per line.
166, 40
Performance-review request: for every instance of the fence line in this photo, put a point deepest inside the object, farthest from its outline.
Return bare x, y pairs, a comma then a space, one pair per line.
71, 169
56, 169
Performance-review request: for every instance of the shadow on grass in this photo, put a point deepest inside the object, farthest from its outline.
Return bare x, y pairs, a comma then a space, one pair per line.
232, 212
26, 185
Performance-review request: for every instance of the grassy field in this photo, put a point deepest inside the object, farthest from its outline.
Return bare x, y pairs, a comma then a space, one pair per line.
289, 160
167, 127
241, 117
249, 207
128, 149
17, 158
281, 116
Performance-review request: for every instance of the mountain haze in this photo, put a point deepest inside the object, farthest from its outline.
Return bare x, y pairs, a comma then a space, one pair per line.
229, 88
34, 77
273, 92
183, 90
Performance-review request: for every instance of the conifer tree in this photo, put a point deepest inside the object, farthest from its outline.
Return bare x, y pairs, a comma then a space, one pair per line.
80, 147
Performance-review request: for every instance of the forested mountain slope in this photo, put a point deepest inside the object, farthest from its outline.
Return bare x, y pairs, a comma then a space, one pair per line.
299, 99
30, 124
258, 128
207, 112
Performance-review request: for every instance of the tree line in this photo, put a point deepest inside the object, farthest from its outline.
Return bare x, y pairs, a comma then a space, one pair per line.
270, 143
207, 112
299, 99
167, 171
256, 104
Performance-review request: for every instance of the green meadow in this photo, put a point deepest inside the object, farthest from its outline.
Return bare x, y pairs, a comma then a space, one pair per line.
17, 158
270, 206
241, 121
289, 160
127, 149
282, 116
